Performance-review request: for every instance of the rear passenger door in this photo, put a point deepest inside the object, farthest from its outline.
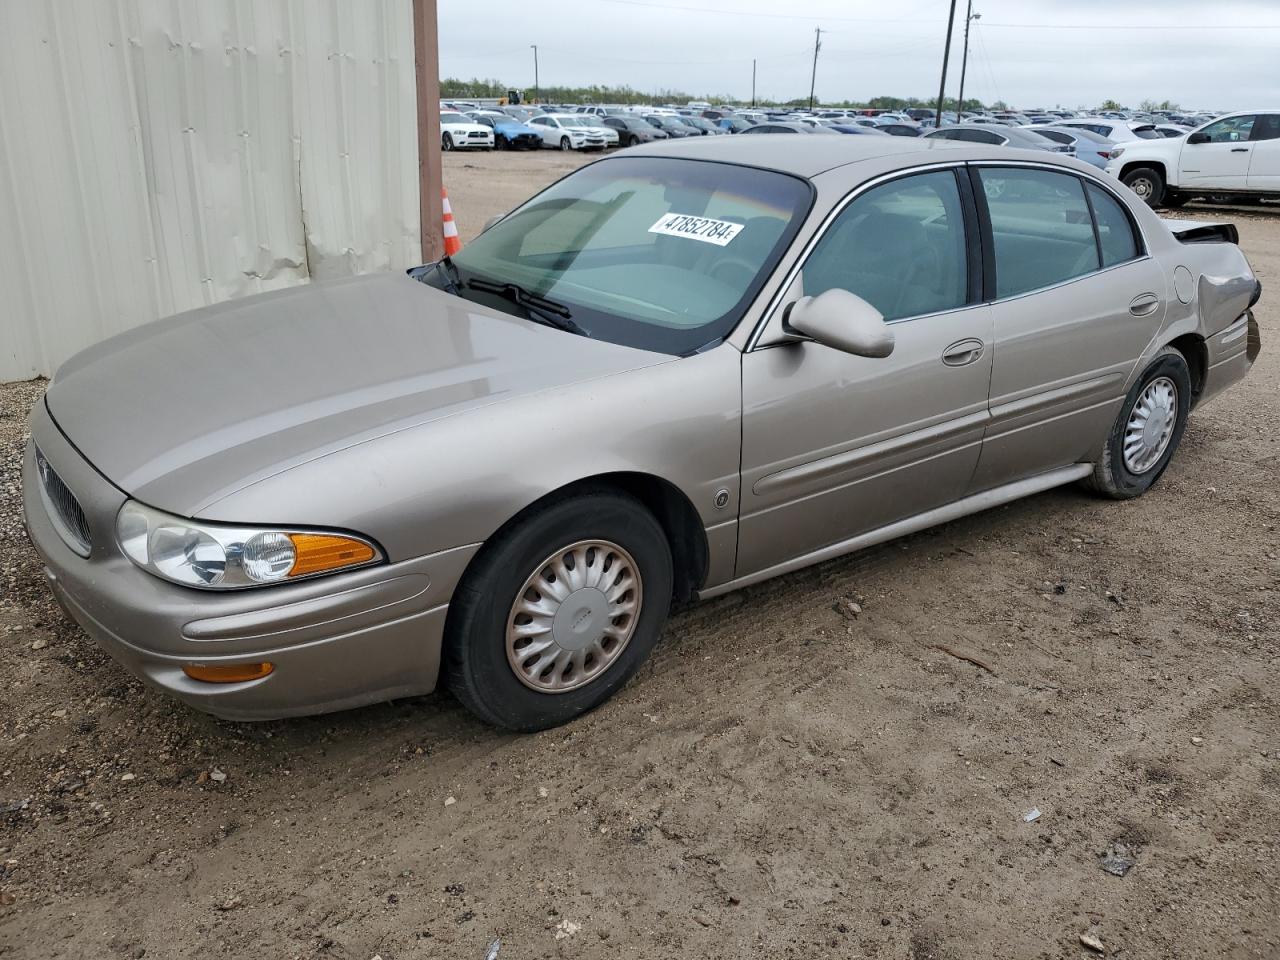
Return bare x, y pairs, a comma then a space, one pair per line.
1264, 164
1076, 300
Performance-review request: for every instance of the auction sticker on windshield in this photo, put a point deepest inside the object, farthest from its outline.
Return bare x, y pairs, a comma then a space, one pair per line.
719, 232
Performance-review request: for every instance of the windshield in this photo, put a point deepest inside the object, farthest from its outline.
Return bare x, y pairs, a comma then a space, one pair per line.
652, 252
454, 118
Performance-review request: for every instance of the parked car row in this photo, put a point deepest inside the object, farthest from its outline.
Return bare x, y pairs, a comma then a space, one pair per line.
1166, 158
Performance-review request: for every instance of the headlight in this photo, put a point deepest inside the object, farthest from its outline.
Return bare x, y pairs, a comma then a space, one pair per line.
221, 557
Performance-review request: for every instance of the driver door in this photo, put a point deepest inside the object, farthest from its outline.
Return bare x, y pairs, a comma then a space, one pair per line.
1222, 161
833, 444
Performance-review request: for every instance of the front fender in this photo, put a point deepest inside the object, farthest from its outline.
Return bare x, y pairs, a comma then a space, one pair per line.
455, 481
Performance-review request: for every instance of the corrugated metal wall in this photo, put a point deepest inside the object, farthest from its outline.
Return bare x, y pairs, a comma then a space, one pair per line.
158, 156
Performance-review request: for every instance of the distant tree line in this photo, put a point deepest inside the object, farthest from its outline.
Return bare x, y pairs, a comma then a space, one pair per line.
451, 87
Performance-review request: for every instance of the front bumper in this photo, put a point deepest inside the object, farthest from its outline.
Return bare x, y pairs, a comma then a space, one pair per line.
335, 642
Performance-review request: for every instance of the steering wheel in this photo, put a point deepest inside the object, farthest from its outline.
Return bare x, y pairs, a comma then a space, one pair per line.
731, 263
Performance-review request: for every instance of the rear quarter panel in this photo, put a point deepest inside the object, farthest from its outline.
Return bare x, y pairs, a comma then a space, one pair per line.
1209, 286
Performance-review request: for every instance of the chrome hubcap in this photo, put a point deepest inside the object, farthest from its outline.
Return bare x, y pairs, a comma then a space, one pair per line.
574, 616
1142, 187
1150, 426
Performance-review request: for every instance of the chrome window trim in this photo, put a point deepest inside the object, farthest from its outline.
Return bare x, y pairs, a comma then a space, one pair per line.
789, 278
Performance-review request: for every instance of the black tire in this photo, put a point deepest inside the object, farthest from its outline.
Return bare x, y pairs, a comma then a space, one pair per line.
565, 144
1111, 476
1147, 183
632, 140
446, 143
475, 654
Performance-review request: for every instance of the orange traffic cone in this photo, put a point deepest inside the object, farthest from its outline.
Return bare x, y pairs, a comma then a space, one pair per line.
451, 242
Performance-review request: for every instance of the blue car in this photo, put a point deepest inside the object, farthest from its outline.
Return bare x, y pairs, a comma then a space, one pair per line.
508, 132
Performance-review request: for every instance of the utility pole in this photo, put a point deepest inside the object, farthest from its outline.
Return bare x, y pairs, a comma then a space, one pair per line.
946, 54
964, 62
817, 45
753, 81
426, 64
535, 70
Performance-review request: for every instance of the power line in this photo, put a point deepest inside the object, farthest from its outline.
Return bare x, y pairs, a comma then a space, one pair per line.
1128, 26
751, 13
719, 11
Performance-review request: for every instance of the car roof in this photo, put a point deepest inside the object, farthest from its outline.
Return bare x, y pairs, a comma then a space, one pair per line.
818, 154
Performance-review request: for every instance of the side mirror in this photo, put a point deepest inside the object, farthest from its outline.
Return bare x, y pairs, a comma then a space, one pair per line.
492, 220
840, 320
1198, 137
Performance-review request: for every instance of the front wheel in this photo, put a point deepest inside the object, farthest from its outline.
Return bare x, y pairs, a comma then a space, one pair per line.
558, 611
1147, 183
446, 143
1147, 431
565, 144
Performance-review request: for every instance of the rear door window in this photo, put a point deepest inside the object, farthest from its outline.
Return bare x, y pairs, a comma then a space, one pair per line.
1267, 127
1041, 226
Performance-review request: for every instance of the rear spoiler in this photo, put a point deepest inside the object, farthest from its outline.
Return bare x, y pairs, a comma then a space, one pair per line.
1196, 231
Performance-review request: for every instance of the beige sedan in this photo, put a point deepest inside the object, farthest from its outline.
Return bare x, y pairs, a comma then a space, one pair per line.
672, 374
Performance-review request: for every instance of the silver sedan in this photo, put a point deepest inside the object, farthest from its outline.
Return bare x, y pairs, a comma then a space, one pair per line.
672, 374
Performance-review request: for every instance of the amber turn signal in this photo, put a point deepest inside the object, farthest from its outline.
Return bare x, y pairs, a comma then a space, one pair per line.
227, 672
319, 552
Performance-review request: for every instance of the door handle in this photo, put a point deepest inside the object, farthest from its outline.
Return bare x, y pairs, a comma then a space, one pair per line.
1239, 149
1144, 304
962, 352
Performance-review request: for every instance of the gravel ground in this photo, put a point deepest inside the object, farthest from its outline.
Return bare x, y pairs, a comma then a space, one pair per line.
783, 779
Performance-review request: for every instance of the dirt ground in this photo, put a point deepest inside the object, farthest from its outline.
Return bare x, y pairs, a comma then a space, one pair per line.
782, 779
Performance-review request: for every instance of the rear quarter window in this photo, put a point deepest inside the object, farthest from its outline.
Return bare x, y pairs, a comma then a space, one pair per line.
1116, 239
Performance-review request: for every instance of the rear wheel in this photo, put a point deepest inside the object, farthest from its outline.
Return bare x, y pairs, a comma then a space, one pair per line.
1147, 431
1147, 183
558, 611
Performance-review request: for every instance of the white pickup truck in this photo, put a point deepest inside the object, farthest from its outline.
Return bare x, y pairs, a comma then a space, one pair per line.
1237, 155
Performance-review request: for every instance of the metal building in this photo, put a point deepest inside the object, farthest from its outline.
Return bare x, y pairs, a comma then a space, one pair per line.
158, 156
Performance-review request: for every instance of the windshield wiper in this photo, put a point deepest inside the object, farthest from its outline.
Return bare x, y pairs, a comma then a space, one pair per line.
538, 309
444, 266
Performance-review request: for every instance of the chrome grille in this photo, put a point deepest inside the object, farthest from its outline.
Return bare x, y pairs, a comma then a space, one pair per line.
64, 509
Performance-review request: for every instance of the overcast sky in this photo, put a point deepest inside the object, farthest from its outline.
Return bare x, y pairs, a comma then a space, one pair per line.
1210, 54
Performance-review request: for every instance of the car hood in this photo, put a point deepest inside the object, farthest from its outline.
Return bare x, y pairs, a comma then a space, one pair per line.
183, 412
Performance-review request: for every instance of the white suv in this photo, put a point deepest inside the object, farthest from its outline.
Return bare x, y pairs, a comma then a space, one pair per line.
1236, 155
